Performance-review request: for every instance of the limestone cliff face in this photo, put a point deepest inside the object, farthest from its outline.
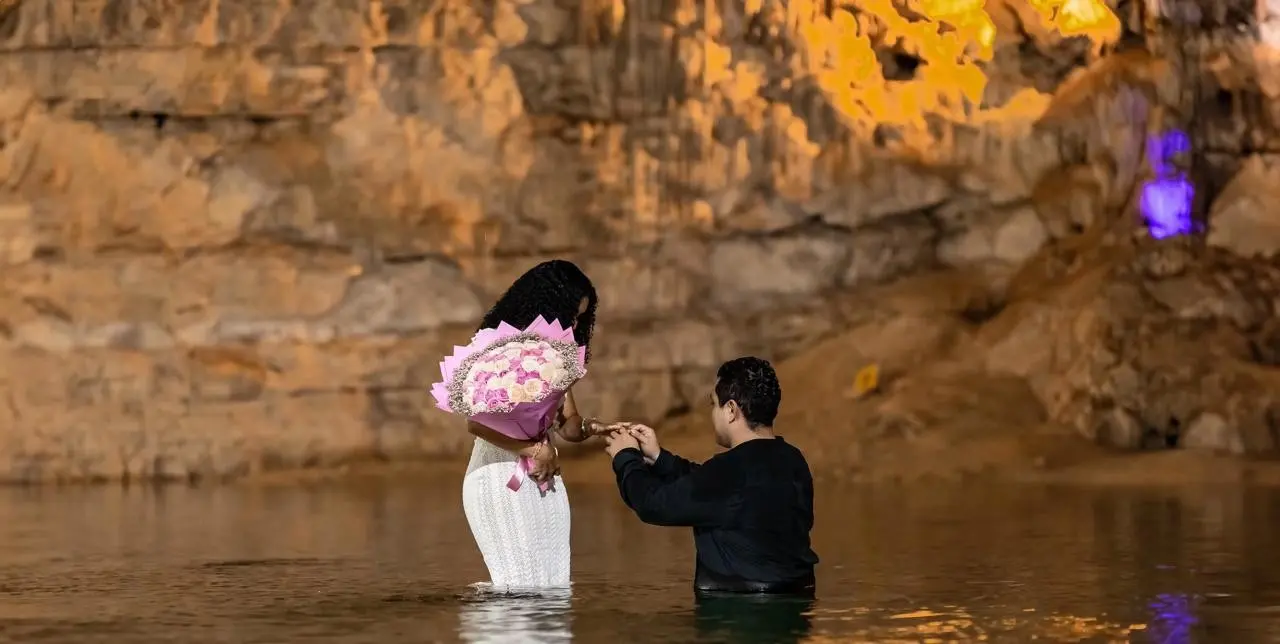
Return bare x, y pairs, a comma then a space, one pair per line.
239, 234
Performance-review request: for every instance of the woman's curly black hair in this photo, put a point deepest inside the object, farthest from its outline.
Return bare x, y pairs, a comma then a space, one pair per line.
554, 290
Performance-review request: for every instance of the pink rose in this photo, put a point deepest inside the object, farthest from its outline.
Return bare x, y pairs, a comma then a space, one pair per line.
496, 399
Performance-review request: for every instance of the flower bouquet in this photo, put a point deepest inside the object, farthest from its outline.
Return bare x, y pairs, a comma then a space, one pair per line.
512, 380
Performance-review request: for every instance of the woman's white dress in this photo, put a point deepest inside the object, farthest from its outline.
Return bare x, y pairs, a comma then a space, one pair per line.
523, 535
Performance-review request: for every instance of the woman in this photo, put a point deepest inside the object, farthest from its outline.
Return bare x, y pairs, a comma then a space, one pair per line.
524, 534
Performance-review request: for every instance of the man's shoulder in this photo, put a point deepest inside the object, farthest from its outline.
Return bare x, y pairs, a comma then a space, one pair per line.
717, 461
795, 455
799, 453
777, 445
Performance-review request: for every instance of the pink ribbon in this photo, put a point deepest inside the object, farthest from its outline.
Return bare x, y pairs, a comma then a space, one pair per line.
523, 466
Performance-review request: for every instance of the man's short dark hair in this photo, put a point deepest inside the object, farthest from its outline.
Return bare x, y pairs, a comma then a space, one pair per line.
753, 384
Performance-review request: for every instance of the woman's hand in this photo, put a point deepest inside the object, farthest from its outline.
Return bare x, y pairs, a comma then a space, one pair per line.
545, 461
579, 429
594, 427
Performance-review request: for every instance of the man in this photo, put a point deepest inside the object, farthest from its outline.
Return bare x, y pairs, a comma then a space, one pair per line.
750, 507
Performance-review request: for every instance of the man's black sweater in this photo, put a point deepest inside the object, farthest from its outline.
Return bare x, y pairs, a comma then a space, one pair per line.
751, 510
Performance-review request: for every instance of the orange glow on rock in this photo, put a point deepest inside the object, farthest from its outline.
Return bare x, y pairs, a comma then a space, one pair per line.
954, 39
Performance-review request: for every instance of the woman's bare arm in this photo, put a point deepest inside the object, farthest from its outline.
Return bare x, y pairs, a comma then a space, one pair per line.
574, 427
575, 430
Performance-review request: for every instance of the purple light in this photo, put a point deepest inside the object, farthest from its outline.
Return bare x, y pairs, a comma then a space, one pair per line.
1173, 617
1166, 200
1166, 206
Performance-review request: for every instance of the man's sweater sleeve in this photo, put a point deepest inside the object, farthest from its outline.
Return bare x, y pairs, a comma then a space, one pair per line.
693, 500
671, 467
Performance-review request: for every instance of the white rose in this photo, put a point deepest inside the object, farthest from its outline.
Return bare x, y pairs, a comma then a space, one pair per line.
545, 371
557, 375
530, 364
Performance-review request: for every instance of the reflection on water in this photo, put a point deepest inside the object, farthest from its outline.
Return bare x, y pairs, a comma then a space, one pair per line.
492, 617
394, 562
728, 618
1172, 617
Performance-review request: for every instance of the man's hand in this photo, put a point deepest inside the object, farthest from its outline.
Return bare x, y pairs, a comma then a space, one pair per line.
647, 439
617, 441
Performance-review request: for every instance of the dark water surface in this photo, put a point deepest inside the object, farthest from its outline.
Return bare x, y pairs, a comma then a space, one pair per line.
392, 562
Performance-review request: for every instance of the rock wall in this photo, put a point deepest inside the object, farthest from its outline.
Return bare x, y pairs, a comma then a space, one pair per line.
238, 235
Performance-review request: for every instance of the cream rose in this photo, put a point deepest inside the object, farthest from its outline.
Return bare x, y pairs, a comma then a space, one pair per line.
534, 388
516, 394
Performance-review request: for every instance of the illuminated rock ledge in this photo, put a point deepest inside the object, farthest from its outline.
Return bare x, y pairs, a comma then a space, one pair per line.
238, 235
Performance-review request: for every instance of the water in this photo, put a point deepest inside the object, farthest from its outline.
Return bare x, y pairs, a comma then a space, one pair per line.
392, 562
